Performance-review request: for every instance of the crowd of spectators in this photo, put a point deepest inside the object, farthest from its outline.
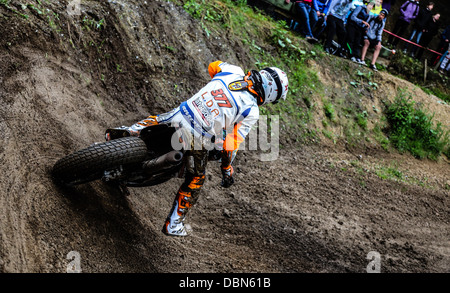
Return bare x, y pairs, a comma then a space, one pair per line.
348, 28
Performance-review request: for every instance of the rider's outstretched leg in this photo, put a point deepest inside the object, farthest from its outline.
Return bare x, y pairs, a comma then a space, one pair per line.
188, 193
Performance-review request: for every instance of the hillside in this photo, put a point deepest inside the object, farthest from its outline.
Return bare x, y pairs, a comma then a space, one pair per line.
333, 195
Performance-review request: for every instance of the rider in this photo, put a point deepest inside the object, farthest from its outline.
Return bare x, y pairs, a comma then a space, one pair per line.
223, 112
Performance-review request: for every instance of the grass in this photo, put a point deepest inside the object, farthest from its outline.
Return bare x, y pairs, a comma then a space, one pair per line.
391, 172
414, 71
380, 137
328, 110
272, 43
412, 129
361, 119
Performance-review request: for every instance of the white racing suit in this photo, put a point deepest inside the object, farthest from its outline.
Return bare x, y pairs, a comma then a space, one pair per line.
215, 117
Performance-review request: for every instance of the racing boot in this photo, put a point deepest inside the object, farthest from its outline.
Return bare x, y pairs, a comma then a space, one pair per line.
174, 225
136, 128
186, 197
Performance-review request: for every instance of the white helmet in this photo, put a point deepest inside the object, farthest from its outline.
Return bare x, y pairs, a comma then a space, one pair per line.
267, 86
275, 85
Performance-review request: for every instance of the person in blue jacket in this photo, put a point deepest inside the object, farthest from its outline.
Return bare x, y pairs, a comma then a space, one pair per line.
308, 12
336, 15
373, 36
357, 25
321, 24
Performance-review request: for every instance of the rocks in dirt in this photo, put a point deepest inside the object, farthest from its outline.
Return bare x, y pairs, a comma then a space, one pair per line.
227, 213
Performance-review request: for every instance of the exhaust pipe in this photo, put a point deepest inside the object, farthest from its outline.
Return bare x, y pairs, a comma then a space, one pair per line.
157, 164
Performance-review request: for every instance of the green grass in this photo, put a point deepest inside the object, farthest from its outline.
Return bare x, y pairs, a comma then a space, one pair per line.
269, 43
328, 109
272, 43
391, 172
412, 129
361, 120
414, 71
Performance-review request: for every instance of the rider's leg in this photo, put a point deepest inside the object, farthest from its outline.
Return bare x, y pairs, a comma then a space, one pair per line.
136, 128
164, 118
188, 193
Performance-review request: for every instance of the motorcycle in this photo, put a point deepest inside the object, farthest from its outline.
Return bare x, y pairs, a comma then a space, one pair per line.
131, 161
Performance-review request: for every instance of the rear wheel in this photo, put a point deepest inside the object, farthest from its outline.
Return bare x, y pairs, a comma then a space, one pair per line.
90, 163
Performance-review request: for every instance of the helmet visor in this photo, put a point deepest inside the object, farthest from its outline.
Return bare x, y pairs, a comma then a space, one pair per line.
256, 78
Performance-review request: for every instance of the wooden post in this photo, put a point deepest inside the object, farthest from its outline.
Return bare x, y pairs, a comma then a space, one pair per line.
425, 73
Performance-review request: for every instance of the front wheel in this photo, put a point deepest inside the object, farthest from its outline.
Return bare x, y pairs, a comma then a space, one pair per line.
90, 163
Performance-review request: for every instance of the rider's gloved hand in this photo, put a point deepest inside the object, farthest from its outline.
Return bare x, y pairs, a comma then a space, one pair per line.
227, 176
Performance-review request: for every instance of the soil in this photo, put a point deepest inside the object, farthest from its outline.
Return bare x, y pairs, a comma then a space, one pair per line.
317, 208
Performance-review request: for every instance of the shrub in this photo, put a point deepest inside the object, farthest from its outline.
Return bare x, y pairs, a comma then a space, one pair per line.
361, 119
413, 130
328, 109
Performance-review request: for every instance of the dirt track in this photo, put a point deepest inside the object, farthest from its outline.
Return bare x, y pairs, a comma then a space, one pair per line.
317, 213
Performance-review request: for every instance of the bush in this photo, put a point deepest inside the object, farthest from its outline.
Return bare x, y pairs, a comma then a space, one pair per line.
413, 130
328, 109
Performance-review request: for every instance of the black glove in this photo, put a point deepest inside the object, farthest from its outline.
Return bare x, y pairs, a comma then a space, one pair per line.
227, 177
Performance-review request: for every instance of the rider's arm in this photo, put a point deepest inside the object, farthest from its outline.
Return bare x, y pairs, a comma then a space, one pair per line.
231, 145
315, 6
235, 137
380, 32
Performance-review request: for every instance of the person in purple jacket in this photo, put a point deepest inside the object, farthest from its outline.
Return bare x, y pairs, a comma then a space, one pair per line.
408, 12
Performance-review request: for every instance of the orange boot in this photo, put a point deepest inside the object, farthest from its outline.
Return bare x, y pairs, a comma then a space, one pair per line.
184, 200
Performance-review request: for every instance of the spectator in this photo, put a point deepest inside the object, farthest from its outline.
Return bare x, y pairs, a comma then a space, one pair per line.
419, 25
356, 28
377, 8
355, 3
408, 12
308, 14
431, 30
373, 36
321, 24
335, 25
445, 65
444, 40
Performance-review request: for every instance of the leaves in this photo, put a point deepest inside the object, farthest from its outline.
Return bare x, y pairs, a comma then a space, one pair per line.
413, 130
354, 83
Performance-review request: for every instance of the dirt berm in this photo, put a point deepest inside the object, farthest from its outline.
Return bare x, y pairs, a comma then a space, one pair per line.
65, 78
